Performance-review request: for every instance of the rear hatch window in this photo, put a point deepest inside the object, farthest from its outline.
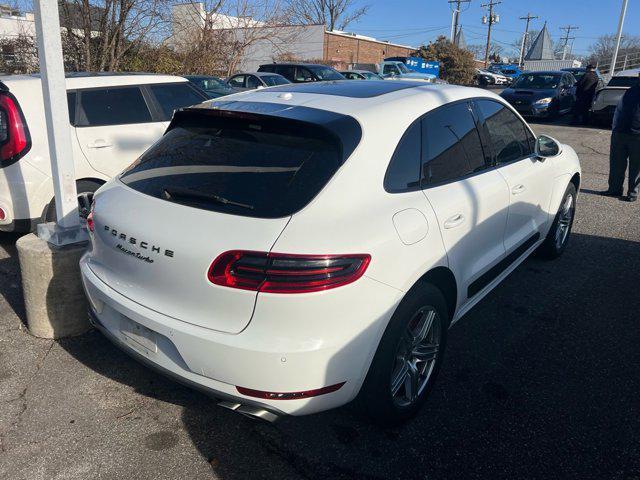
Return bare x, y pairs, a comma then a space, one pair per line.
237, 163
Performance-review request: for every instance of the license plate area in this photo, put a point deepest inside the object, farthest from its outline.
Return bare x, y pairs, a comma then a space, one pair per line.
138, 336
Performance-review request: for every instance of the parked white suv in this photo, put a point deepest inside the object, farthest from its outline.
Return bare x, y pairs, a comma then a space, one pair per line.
114, 118
292, 248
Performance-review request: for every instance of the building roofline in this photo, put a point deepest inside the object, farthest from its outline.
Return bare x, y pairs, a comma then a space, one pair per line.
367, 39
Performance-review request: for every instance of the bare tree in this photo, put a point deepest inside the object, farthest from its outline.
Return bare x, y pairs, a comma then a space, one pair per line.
98, 34
602, 50
334, 14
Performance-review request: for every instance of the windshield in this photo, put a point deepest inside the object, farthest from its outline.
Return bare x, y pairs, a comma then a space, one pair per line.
623, 81
403, 68
266, 167
370, 76
273, 80
326, 73
537, 81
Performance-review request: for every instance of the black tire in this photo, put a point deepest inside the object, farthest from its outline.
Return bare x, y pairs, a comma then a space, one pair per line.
552, 248
86, 189
375, 399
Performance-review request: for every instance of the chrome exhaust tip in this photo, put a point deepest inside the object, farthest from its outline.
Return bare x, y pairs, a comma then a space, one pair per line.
250, 411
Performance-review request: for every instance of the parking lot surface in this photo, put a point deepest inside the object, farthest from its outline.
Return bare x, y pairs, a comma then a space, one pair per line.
540, 380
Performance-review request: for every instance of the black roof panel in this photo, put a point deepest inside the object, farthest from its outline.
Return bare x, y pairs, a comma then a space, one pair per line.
347, 88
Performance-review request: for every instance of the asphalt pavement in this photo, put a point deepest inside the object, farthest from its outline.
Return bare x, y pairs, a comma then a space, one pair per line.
540, 380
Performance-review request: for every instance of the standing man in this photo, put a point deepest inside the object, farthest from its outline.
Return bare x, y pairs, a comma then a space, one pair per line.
625, 146
585, 91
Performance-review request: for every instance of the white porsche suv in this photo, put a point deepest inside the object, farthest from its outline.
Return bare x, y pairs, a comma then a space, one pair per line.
289, 250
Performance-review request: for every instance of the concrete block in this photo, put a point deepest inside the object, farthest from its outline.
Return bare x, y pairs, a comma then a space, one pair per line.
54, 299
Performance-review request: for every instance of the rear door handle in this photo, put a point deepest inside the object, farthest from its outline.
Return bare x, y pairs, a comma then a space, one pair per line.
454, 221
518, 189
100, 143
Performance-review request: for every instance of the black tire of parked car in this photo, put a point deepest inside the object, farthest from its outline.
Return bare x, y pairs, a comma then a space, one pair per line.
549, 249
375, 399
86, 189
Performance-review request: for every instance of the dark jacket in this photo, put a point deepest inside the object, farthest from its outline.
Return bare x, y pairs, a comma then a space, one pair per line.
627, 116
586, 88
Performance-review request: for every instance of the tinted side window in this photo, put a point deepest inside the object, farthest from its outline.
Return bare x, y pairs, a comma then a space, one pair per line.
304, 75
403, 173
113, 106
267, 68
451, 145
172, 96
510, 138
237, 81
71, 101
287, 71
253, 82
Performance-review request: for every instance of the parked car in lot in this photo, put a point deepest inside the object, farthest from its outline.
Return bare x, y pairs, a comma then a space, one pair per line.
212, 86
302, 72
607, 98
323, 239
511, 71
485, 78
114, 118
394, 70
578, 73
253, 80
542, 94
360, 75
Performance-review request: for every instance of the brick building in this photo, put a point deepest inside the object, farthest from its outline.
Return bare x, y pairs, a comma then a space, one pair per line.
342, 49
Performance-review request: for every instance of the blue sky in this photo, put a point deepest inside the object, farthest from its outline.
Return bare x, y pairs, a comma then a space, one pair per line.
412, 22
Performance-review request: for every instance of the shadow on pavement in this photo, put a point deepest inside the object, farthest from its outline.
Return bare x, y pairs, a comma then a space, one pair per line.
540, 380
10, 281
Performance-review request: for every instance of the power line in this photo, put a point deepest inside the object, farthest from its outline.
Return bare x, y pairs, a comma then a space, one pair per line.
528, 18
493, 18
456, 15
566, 38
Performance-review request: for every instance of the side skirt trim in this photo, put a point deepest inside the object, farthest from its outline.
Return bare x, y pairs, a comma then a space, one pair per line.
486, 278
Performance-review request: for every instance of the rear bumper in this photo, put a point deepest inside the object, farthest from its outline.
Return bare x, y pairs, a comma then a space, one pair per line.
269, 355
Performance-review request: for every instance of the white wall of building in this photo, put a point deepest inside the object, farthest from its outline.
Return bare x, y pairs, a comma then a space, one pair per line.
301, 42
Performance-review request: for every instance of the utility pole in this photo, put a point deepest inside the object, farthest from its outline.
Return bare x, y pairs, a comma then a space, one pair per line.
491, 20
455, 15
528, 18
614, 59
566, 38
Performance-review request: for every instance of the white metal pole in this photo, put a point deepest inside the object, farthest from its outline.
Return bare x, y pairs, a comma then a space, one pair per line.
453, 23
56, 112
614, 59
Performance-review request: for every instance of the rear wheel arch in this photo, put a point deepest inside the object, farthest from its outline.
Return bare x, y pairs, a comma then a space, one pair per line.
576, 181
83, 185
444, 280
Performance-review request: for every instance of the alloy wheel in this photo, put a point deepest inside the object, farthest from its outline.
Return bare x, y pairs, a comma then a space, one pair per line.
84, 203
564, 221
416, 357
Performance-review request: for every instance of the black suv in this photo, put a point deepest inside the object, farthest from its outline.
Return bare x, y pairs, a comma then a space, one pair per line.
302, 72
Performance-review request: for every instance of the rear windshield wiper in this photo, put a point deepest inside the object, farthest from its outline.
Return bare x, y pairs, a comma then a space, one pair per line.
175, 194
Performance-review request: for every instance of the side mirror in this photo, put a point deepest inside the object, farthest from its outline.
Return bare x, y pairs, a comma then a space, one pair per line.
546, 147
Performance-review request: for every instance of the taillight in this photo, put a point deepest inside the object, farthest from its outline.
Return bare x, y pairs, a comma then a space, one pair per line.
249, 392
286, 273
15, 140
